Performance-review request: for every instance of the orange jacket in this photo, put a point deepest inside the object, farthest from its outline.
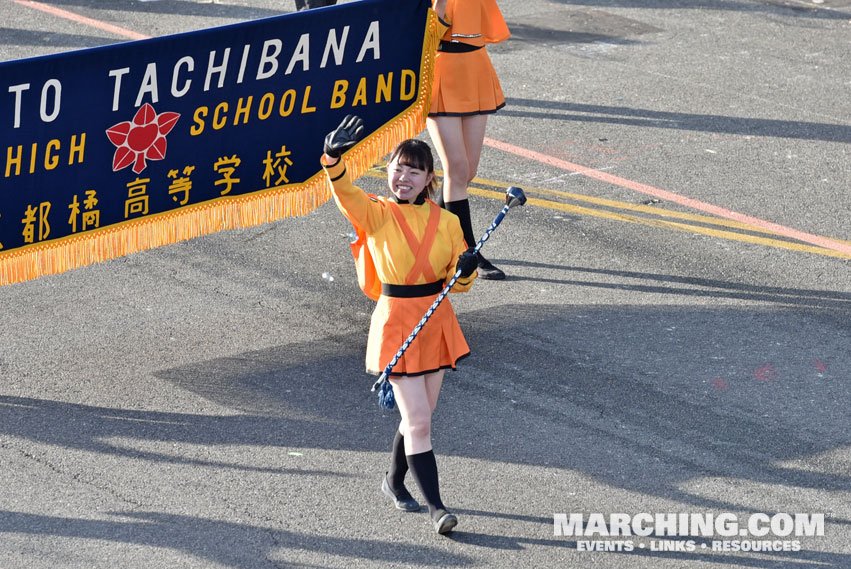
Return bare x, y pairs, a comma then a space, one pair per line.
386, 239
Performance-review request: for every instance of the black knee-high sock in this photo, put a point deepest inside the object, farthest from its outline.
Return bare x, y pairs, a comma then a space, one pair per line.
398, 464
424, 470
461, 208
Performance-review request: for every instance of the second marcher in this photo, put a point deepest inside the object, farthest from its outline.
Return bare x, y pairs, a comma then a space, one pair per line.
466, 90
416, 248
310, 4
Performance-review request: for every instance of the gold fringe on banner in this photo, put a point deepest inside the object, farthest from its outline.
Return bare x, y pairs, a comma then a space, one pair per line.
261, 207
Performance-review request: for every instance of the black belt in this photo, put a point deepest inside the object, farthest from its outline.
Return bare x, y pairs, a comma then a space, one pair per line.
456, 47
411, 291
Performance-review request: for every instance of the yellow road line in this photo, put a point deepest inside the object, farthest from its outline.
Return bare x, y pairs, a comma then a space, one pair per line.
632, 207
642, 220
664, 224
662, 212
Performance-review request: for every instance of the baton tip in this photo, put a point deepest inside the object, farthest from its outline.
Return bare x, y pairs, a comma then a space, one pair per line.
515, 196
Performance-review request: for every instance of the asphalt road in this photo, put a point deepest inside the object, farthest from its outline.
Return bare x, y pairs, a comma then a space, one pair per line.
203, 405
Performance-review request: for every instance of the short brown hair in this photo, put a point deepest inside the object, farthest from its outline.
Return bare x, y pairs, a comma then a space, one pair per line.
417, 154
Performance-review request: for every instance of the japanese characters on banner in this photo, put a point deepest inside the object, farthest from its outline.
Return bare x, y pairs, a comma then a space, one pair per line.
112, 150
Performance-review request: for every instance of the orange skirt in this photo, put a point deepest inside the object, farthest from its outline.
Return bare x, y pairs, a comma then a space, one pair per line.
439, 345
465, 84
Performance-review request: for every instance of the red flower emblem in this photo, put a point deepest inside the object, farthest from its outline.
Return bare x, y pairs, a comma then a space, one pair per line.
140, 139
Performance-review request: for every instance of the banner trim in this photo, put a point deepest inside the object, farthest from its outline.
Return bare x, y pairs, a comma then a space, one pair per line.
263, 206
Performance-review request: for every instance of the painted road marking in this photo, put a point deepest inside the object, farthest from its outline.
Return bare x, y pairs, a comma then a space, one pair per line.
661, 223
769, 226
665, 224
655, 218
654, 210
117, 30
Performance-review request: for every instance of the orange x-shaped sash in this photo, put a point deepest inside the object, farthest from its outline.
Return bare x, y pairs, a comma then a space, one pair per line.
420, 249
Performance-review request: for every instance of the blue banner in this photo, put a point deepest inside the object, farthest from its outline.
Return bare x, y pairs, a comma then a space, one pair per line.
111, 150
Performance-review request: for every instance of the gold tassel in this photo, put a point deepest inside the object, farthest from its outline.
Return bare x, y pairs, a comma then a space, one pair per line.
33, 261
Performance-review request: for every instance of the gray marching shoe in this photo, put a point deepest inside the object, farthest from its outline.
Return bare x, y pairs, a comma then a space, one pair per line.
445, 522
403, 500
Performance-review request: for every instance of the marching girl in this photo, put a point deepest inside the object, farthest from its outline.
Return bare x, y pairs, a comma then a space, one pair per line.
466, 90
416, 248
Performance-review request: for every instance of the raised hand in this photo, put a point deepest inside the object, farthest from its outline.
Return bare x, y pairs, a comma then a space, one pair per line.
344, 136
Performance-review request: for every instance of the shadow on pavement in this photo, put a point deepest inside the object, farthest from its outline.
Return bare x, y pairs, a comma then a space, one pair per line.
578, 112
648, 399
224, 543
686, 286
763, 6
16, 36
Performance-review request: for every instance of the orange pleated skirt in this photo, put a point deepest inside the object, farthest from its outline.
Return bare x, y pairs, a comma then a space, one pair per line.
465, 84
439, 345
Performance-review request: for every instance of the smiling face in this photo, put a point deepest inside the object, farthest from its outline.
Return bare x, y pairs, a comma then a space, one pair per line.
411, 170
406, 182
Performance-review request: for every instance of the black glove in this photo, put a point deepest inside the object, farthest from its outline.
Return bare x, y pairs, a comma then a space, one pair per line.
344, 136
467, 263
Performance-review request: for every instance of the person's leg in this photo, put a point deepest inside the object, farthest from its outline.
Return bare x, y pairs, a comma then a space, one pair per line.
412, 397
308, 4
474, 138
447, 135
473, 128
412, 436
394, 480
398, 463
459, 141
433, 382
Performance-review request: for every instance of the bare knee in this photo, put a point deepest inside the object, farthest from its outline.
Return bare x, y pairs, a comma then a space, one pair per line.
458, 169
472, 168
418, 426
